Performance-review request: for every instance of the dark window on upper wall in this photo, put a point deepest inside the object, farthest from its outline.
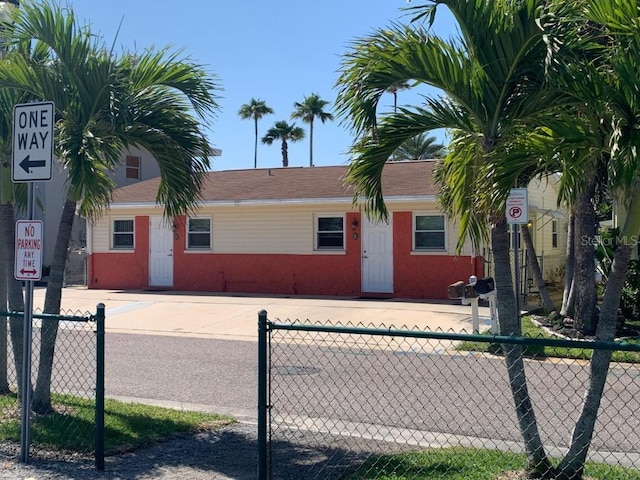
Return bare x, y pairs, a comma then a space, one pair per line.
122, 234
330, 233
199, 233
133, 167
429, 232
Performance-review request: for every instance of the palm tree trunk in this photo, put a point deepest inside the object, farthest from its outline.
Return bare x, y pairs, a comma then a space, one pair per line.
15, 296
534, 266
49, 331
585, 230
4, 366
572, 465
538, 464
285, 154
311, 142
567, 296
4, 379
255, 147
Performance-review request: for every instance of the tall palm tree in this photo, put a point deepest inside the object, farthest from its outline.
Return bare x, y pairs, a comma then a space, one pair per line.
492, 79
420, 147
255, 109
394, 89
310, 108
284, 132
154, 100
607, 88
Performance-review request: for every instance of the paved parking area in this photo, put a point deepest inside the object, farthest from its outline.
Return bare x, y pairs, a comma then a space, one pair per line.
235, 316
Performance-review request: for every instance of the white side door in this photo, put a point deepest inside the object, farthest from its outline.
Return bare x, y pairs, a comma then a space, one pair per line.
377, 257
160, 253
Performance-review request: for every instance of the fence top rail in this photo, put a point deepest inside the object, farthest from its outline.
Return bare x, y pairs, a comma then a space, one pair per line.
49, 316
467, 337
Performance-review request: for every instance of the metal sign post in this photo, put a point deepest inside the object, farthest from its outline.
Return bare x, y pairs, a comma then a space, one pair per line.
32, 158
517, 213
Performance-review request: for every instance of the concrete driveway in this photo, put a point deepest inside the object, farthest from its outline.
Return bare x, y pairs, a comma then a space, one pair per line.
235, 316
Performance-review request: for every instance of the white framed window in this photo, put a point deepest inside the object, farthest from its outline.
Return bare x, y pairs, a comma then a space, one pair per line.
329, 232
122, 237
554, 233
132, 167
429, 232
199, 233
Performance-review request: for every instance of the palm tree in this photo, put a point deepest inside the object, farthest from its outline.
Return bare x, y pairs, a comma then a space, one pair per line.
606, 84
492, 80
420, 147
255, 109
394, 89
310, 108
284, 132
154, 100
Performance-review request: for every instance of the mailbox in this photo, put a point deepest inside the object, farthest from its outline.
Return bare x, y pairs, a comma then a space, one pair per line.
456, 290
485, 285
470, 291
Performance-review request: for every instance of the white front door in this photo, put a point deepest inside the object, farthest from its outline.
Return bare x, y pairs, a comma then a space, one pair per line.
160, 253
377, 257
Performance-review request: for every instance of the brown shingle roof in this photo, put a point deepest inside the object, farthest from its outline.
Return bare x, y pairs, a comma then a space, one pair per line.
399, 179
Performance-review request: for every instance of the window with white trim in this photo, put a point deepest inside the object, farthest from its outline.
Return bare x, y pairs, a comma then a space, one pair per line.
122, 234
429, 232
132, 167
199, 233
330, 232
554, 233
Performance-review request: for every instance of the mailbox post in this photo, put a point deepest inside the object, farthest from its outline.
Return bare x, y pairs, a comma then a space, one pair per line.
471, 293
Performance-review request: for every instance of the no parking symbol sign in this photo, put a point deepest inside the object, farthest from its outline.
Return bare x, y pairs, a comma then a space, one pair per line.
517, 211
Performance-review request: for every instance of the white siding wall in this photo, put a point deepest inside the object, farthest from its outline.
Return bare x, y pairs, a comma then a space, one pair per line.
543, 197
267, 229
263, 231
101, 235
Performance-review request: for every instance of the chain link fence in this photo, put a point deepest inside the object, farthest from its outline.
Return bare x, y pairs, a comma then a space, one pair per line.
349, 401
74, 423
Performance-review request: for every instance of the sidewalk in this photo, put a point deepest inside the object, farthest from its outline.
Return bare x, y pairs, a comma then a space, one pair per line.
235, 316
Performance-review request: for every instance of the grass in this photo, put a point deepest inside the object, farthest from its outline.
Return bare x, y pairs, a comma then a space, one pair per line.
128, 426
458, 463
529, 329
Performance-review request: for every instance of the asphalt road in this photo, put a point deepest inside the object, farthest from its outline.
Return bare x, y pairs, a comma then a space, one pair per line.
192, 373
408, 389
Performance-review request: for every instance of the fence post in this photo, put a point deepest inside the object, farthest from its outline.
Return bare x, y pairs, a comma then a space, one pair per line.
262, 394
99, 455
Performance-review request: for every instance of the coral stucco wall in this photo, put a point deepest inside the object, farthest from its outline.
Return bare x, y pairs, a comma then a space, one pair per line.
415, 276
425, 276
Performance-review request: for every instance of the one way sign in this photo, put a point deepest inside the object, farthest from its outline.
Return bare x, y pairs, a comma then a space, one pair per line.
32, 141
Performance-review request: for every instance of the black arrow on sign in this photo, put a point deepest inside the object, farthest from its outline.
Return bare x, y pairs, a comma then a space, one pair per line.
27, 164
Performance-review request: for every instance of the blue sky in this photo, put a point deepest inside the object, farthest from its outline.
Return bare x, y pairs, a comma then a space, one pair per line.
277, 51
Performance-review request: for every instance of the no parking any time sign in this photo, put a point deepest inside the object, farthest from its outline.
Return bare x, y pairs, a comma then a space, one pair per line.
28, 250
